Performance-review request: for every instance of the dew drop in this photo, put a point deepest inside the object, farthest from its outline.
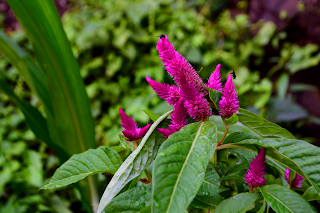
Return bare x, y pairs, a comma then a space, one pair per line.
156, 204
205, 193
162, 153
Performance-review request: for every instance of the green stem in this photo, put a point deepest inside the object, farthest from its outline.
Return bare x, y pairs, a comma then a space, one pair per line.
94, 194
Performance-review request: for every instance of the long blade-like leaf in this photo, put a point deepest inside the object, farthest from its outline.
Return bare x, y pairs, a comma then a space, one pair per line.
180, 166
135, 163
71, 124
300, 156
261, 126
239, 203
79, 166
284, 200
33, 75
133, 200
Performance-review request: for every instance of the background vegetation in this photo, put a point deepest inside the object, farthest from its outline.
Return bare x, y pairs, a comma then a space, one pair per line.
114, 44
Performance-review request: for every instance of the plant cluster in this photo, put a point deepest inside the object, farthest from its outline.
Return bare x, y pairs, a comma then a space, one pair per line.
198, 164
45, 113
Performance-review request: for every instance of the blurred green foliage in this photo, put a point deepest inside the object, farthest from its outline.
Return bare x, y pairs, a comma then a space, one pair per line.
114, 43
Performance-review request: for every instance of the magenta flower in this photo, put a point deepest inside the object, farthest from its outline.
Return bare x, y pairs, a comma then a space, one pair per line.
176, 65
197, 106
214, 81
131, 131
170, 93
229, 103
178, 120
254, 176
297, 181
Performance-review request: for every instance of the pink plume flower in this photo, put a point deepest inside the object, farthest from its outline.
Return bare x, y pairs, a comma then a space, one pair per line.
131, 131
176, 65
197, 106
297, 181
229, 103
178, 119
254, 176
170, 93
214, 81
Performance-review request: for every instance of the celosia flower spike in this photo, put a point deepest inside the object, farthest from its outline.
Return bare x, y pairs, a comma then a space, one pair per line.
254, 176
131, 131
170, 93
214, 81
229, 103
297, 181
197, 106
178, 120
175, 65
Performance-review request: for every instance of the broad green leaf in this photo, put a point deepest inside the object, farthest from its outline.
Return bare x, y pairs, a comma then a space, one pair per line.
133, 200
79, 166
238, 136
70, 124
33, 75
238, 127
208, 195
215, 97
283, 200
239, 203
300, 156
311, 194
135, 163
180, 166
117, 148
261, 126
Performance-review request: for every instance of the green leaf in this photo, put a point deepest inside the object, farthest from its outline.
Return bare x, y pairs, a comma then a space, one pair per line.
133, 200
283, 200
261, 126
263, 207
180, 166
70, 124
36, 122
79, 166
232, 120
239, 203
154, 117
208, 195
311, 194
135, 163
124, 143
300, 156
23, 62
215, 97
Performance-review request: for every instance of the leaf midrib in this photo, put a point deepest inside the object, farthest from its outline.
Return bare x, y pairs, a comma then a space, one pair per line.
187, 158
278, 201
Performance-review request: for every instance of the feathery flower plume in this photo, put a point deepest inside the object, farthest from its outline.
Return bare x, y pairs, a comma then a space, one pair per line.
214, 81
229, 103
197, 106
175, 65
297, 181
131, 131
170, 93
178, 119
254, 176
